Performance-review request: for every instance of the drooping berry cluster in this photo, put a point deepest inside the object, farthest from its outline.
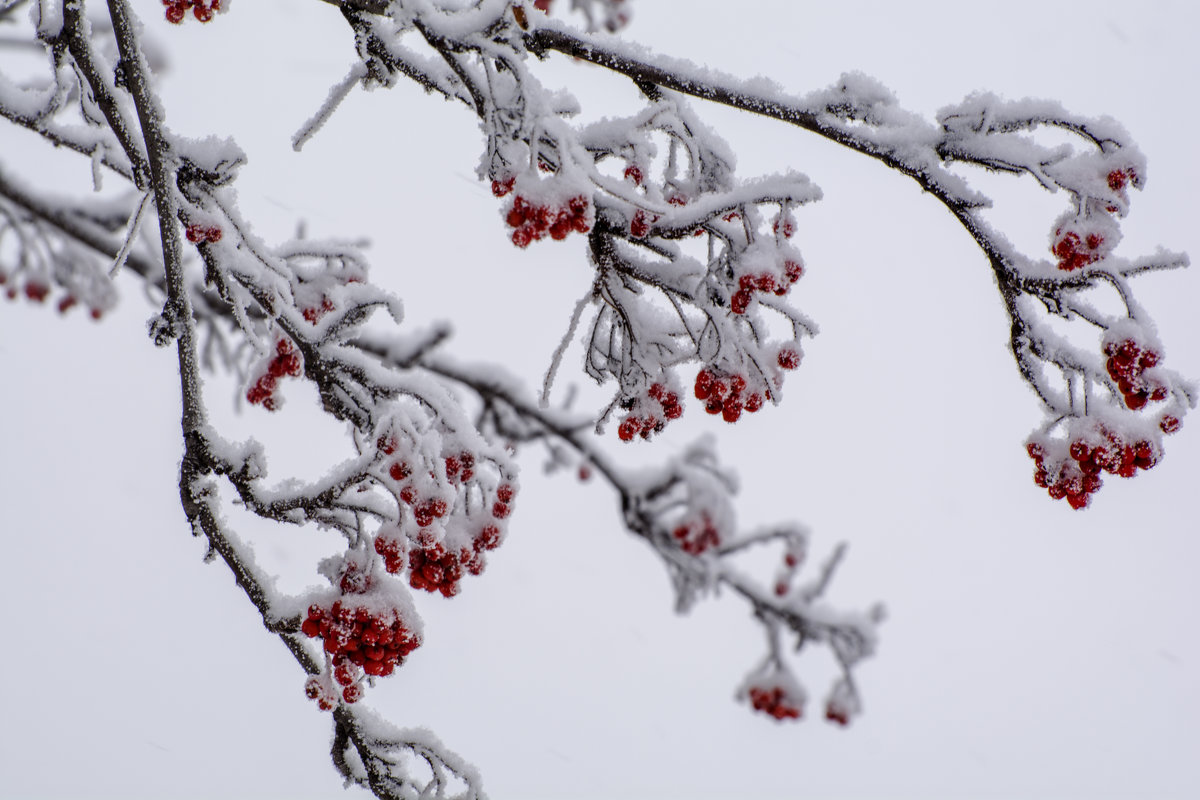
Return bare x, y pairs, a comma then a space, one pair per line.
36, 290
1071, 468
726, 394
842, 703
532, 221
1131, 367
313, 314
360, 631
697, 535
1075, 251
286, 361
454, 518
198, 234
1085, 237
436, 569
837, 713
774, 702
766, 283
201, 9
650, 414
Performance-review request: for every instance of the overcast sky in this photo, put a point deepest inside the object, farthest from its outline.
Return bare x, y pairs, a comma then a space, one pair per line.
1031, 651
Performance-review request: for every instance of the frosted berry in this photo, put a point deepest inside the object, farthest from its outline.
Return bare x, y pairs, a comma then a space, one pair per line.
773, 702
788, 358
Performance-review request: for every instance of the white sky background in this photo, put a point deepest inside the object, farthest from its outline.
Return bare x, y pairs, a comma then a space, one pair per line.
1031, 651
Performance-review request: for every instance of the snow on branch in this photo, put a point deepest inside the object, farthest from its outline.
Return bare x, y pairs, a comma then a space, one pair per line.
660, 304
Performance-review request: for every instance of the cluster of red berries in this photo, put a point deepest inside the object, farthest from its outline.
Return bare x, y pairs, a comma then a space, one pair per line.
668, 408
36, 291
837, 713
723, 394
1075, 252
285, 362
532, 222
436, 569
424, 511
696, 536
1127, 364
1080, 243
764, 282
374, 639
1077, 478
202, 9
198, 234
313, 314
774, 702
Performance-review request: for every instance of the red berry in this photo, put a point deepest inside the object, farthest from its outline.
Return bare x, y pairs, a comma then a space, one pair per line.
639, 226
789, 358
732, 409
504, 493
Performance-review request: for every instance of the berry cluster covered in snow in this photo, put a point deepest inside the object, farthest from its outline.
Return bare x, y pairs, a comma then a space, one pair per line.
202, 10
1133, 367
285, 362
1070, 468
454, 508
776, 693
544, 207
766, 283
199, 234
729, 394
697, 534
649, 414
367, 628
